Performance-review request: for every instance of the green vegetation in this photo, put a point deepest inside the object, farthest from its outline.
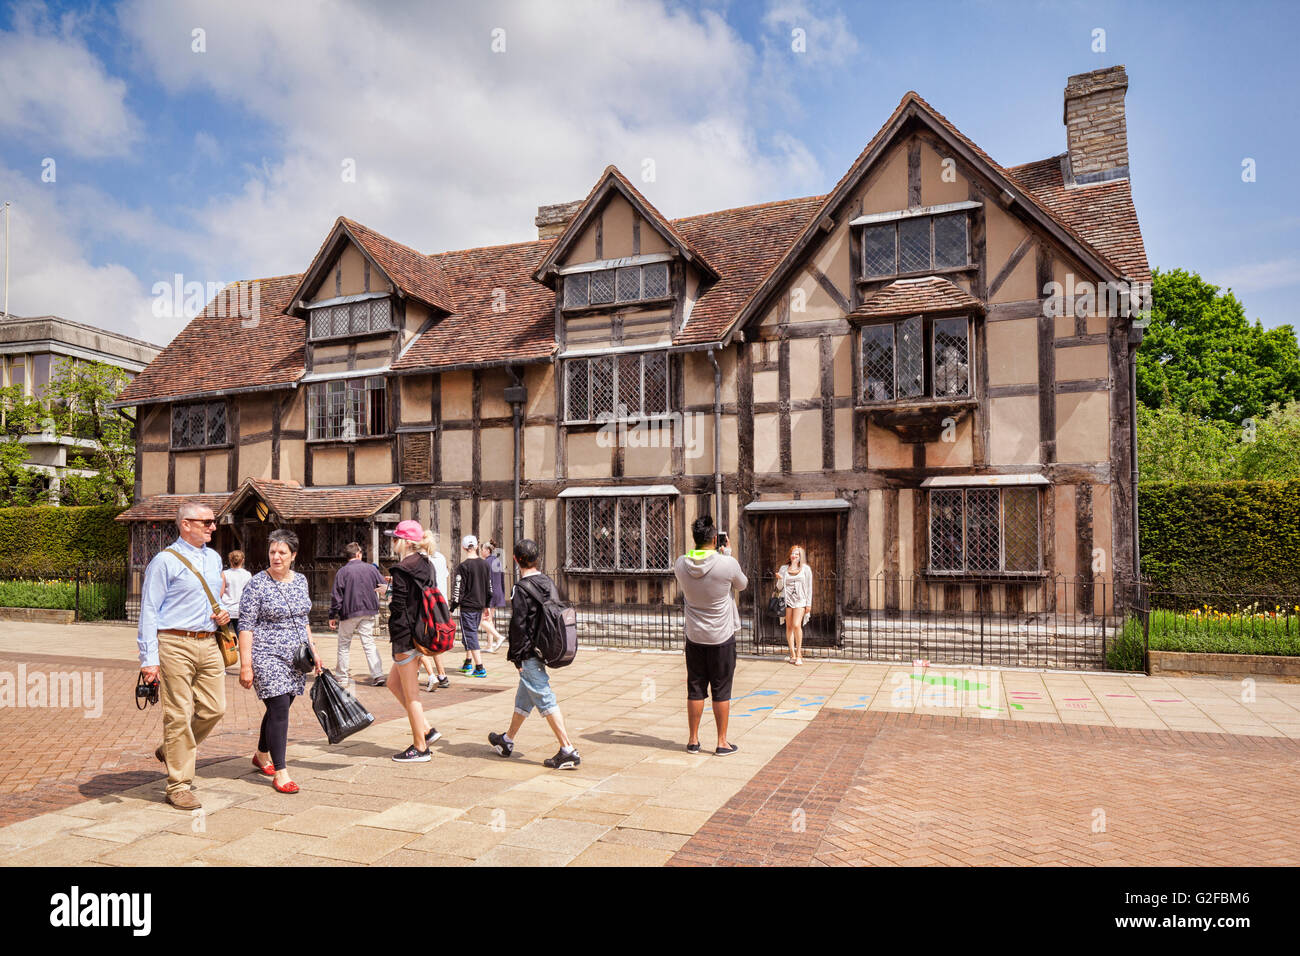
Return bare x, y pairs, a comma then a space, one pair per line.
98, 601
61, 538
1252, 629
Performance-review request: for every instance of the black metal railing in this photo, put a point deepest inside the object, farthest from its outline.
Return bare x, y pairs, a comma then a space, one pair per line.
93, 591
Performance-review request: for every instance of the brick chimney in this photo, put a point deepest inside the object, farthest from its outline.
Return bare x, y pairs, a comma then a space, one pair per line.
553, 220
1094, 125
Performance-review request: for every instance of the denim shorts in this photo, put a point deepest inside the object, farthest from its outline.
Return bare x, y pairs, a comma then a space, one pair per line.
405, 657
534, 689
469, 621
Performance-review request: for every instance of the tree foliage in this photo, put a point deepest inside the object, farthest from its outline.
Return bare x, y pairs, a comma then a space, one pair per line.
1203, 355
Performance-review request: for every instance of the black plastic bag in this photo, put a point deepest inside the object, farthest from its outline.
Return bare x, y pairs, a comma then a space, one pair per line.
340, 714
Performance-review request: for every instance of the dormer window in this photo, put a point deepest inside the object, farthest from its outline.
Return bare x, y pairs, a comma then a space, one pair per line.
643, 283
915, 241
351, 315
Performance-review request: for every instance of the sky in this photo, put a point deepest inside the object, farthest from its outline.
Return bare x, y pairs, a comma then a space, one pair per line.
147, 139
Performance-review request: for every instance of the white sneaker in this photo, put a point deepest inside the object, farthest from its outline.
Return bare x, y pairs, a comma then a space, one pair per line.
433, 682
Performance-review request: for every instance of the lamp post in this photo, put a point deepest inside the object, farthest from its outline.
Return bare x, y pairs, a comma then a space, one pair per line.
7, 205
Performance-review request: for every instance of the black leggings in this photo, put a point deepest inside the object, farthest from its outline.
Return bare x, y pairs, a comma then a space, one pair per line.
274, 737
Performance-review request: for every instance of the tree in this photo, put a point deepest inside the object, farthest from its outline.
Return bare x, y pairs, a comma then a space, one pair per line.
1204, 356
74, 404
1175, 445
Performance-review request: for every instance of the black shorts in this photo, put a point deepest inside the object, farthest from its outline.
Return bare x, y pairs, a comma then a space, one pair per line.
710, 665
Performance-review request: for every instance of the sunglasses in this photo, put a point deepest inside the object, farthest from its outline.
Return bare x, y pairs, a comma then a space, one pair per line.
204, 521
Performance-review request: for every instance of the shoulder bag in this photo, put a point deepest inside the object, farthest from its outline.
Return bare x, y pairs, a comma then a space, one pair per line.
227, 639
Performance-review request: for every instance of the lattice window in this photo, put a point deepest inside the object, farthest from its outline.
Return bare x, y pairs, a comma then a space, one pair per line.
603, 533
579, 542
909, 336
619, 533
602, 287
199, 425
950, 248
985, 530
630, 385
628, 282
320, 324
951, 358
576, 287
381, 315
946, 537
878, 246
352, 318
344, 410
148, 538
878, 362
916, 357
914, 244
339, 320
654, 280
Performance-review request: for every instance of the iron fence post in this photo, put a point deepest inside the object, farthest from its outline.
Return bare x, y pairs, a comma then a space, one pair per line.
76, 591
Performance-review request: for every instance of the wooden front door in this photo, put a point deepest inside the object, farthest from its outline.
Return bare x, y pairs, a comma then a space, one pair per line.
818, 533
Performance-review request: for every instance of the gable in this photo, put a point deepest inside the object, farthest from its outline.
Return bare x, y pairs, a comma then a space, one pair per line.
615, 231
347, 271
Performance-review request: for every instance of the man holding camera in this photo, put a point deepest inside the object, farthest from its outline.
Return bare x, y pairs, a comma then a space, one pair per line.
178, 647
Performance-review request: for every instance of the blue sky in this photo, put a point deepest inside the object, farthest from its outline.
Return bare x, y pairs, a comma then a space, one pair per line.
225, 163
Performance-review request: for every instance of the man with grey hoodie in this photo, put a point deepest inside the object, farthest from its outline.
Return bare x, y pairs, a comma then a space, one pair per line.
706, 578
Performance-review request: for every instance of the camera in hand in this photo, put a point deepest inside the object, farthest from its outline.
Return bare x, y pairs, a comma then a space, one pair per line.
146, 693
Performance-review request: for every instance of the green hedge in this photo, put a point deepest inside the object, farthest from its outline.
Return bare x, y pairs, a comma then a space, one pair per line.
54, 538
98, 601
1231, 536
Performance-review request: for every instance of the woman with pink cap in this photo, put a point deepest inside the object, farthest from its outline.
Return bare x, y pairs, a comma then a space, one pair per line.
411, 575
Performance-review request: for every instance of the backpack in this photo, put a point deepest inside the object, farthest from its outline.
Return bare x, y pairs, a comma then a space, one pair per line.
556, 638
435, 631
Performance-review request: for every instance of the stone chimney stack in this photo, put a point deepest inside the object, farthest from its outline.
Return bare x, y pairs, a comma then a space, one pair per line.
553, 220
1094, 125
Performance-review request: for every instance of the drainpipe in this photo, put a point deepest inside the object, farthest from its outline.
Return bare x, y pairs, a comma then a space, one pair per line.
516, 394
717, 439
1132, 425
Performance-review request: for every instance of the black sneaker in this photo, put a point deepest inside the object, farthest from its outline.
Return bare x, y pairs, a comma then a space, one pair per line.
411, 755
692, 748
564, 760
431, 736
444, 682
724, 751
502, 746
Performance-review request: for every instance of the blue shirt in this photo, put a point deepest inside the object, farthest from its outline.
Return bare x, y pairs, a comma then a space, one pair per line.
172, 598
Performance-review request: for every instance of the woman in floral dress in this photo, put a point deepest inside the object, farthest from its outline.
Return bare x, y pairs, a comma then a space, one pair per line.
272, 625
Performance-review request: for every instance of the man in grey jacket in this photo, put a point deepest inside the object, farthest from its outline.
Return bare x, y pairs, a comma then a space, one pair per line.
706, 578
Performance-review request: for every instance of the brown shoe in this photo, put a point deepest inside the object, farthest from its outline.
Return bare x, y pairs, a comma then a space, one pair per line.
159, 754
184, 800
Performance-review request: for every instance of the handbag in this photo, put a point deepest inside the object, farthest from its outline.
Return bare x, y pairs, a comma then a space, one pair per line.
227, 639
776, 605
304, 660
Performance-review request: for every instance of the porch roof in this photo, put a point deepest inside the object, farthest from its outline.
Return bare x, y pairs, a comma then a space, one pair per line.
163, 507
802, 504
290, 501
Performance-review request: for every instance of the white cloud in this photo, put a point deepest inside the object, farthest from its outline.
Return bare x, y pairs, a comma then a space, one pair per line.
56, 95
1259, 276
50, 272
456, 145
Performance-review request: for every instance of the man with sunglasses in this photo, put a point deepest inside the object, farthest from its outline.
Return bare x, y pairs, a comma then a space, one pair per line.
178, 647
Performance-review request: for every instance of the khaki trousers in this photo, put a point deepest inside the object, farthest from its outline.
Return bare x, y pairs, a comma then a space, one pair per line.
192, 676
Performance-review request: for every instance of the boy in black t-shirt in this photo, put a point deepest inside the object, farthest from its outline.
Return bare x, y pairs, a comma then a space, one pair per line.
471, 592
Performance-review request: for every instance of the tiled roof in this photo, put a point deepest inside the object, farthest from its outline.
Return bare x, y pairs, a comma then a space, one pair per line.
163, 507
415, 274
913, 296
292, 502
1102, 213
504, 315
743, 245
202, 357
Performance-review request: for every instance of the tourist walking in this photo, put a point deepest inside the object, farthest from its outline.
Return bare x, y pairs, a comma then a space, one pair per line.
794, 584
354, 606
178, 646
471, 592
273, 627
705, 579
497, 583
411, 575
532, 591
233, 580
432, 663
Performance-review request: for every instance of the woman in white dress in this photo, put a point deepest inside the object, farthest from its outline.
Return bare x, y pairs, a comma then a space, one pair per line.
794, 583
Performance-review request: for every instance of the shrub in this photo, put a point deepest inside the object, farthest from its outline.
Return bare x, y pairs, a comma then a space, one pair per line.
49, 537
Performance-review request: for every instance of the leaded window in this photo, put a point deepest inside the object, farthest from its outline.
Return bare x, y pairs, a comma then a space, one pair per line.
148, 538
352, 318
916, 357
985, 530
624, 284
605, 387
619, 533
347, 409
915, 244
333, 538
198, 425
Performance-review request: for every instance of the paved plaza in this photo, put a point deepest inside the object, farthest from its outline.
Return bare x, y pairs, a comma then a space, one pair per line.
839, 764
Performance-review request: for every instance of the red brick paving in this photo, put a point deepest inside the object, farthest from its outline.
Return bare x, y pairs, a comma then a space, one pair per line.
55, 757
915, 790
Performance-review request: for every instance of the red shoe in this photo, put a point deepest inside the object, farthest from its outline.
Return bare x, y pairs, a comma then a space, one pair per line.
269, 769
289, 787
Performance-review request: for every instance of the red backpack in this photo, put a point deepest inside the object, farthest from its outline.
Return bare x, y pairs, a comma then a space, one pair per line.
435, 630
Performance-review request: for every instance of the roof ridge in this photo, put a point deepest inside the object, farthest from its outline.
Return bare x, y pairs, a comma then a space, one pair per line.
759, 205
